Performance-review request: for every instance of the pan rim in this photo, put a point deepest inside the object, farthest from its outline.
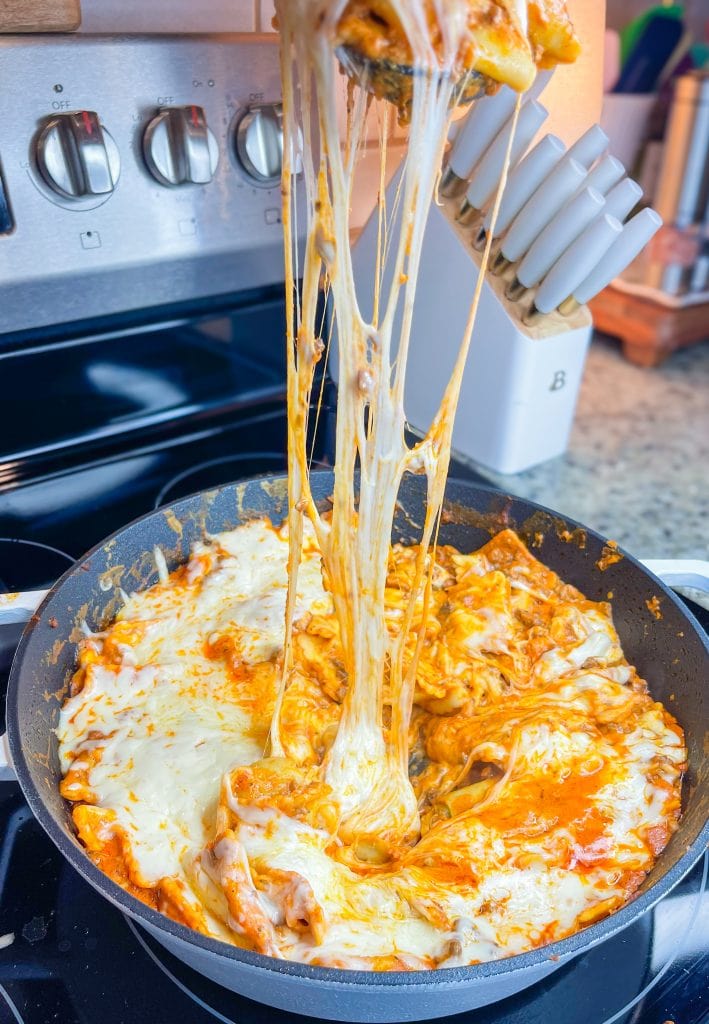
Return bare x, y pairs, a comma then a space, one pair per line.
555, 953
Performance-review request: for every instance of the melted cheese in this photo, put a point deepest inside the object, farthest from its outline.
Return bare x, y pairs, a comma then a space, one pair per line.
164, 748
162, 720
583, 768
460, 763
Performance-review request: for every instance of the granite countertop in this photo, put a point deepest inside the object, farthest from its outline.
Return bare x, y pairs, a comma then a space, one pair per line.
637, 467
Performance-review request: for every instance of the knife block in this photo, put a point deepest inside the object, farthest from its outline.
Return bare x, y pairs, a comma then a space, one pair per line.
521, 383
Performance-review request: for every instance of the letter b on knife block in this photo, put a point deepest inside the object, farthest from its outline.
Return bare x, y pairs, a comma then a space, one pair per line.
521, 384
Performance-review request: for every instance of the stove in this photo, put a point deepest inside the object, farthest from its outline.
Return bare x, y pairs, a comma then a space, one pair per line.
89, 466
141, 359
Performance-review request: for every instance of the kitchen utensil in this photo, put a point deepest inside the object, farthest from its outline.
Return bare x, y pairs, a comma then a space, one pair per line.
606, 173
486, 176
589, 146
555, 239
480, 127
632, 239
517, 407
561, 185
631, 32
474, 136
622, 198
669, 651
683, 185
577, 262
522, 182
653, 49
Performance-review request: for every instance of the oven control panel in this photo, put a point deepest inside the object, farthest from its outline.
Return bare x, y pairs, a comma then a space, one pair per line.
139, 171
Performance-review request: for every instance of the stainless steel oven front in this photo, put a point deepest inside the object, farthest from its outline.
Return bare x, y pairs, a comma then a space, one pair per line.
136, 171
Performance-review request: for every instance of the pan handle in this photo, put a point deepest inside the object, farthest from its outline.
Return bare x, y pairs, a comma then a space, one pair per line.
7, 772
18, 608
680, 572
15, 611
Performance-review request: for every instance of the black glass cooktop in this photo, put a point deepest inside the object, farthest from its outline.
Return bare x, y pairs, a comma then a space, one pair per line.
68, 957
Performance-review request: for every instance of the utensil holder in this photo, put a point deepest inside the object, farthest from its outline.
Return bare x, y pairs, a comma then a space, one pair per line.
521, 383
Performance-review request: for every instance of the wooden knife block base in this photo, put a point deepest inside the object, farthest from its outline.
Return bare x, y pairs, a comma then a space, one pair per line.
649, 331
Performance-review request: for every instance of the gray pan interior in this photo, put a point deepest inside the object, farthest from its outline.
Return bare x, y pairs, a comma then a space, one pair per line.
671, 652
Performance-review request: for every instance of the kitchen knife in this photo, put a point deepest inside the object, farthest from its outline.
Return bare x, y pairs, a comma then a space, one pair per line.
573, 218
478, 130
633, 238
523, 181
622, 198
575, 265
545, 203
486, 176
589, 147
604, 175
476, 133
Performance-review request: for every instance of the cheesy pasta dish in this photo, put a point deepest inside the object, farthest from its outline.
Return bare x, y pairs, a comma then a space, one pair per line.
315, 745
546, 778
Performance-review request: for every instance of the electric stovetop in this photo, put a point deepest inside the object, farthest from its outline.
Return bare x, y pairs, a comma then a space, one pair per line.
68, 957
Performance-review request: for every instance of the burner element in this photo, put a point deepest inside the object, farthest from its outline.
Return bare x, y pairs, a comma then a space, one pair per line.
226, 470
28, 565
24, 565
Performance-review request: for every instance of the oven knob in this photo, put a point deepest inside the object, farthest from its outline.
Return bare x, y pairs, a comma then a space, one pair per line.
259, 142
77, 157
179, 148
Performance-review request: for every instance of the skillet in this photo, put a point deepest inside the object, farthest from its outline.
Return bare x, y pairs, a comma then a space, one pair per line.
671, 652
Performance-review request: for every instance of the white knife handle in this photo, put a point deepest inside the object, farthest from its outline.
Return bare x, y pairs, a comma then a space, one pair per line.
633, 238
590, 146
538, 85
486, 175
15, 610
605, 174
577, 262
524, 180
479, 129
557, 236
536, 213
622, 198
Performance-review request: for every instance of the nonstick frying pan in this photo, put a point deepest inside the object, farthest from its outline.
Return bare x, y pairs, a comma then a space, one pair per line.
671, 652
